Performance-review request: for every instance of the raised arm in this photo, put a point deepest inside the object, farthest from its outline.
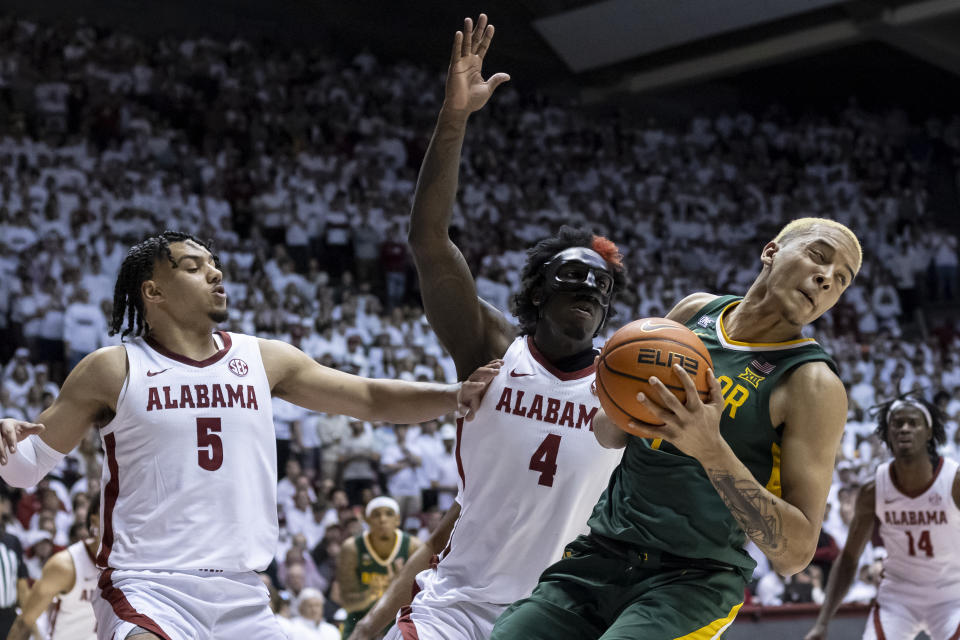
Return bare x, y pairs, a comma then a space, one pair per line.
845, 568
471, 330
785, 528
58, 577
400, 592
88, 397
297, 378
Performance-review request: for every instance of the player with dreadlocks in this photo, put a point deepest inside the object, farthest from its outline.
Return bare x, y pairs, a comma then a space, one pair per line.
189, 481
915, 498
138, 267
530, 467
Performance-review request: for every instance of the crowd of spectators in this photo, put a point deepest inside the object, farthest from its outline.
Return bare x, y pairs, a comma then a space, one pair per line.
301, 165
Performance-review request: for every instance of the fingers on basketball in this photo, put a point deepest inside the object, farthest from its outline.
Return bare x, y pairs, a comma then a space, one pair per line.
647, 348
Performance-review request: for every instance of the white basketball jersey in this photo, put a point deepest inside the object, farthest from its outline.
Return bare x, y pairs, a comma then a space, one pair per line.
921, 536
190, 476
71, 614
531, 471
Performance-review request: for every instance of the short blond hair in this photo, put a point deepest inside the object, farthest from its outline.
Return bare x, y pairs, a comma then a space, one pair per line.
802, 225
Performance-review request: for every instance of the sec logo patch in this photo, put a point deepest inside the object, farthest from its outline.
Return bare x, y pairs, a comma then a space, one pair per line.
238, 367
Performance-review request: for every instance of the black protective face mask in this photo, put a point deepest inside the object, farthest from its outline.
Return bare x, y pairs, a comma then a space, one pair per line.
580, 271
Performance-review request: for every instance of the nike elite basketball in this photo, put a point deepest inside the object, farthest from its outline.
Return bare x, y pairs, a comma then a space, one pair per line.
639, 350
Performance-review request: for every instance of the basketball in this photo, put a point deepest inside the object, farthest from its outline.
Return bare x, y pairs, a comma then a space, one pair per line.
642, 349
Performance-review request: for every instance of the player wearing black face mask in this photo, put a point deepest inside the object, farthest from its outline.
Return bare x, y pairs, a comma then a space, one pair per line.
504, 457
583, 274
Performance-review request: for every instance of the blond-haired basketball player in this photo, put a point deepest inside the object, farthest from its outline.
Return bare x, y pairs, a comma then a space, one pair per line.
664, 557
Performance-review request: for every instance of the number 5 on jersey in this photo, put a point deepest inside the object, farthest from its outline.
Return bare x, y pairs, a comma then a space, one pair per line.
209, 445
544, 459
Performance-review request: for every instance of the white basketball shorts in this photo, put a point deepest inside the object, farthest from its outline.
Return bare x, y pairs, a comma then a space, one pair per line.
178, 605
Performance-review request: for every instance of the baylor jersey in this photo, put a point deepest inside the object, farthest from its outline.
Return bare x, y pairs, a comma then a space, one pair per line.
659, 498
370, 564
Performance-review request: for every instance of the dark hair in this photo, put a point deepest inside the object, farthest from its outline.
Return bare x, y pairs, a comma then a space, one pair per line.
538, 255
74, 534
939, 432
136, 269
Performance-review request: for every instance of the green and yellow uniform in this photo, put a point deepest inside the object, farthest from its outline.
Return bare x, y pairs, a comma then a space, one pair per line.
369, 564
665, 557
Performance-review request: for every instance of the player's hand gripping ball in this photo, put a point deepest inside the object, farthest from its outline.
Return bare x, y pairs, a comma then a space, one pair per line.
639, 350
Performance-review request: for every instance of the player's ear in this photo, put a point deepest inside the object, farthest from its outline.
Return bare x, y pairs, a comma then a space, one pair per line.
150, 291
769, 250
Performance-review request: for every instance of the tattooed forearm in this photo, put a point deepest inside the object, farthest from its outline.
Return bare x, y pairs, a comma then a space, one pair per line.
755, 511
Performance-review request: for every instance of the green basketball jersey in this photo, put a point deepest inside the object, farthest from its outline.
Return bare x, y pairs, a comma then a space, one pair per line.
369, 564
661, 499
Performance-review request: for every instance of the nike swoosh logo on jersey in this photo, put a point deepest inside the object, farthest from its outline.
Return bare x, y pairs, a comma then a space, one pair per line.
514, 374
652, 326
886, 501
150, 374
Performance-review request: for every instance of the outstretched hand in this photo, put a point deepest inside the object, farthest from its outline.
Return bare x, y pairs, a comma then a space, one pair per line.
13, 431
467, 91
473, 388
692, 426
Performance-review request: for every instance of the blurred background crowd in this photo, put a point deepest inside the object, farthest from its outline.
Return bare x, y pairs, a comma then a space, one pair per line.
300, 166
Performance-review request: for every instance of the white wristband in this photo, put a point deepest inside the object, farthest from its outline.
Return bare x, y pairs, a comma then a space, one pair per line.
33, 460
459, 391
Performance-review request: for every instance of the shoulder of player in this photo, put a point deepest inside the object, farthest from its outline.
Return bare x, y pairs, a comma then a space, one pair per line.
813, 380
271, 349
280, 358
472, 352
812, 396
686, 308
956, 488
349, 546
100, 374
59, 571
500, 330
415, 543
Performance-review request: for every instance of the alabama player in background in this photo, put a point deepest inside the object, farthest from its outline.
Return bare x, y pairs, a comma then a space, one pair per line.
530, 466
915, 498
190, 475
65, 589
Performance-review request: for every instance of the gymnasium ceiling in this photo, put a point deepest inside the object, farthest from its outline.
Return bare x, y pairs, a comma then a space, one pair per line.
600, 49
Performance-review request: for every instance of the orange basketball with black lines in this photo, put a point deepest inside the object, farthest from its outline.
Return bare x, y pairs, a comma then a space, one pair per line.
642, 349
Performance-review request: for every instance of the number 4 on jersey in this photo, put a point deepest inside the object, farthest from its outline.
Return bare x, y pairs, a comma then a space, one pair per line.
544, 459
